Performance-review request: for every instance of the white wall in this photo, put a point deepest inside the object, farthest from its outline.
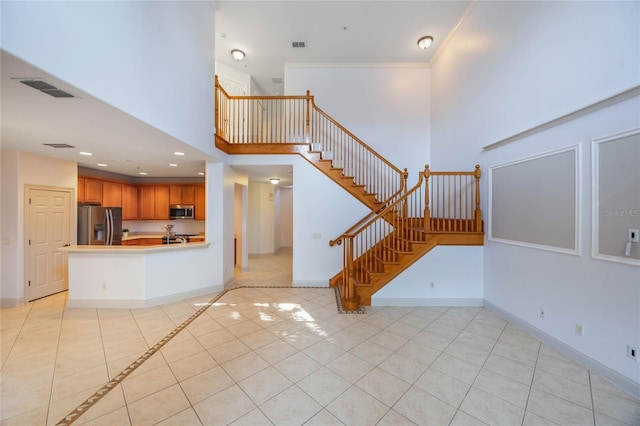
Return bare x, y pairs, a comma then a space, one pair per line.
514, 65
153, 60
20, 169
261, 218
446, 276
385, 105
286, 217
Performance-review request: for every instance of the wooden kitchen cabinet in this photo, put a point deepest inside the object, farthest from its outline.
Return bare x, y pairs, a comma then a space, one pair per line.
93, 191
188, 194
81, 181
162, 202
175, 194
129, 202
111, 194
200, 204
147, 202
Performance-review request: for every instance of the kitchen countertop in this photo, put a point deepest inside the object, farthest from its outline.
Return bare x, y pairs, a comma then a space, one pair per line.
132, 249
137, 236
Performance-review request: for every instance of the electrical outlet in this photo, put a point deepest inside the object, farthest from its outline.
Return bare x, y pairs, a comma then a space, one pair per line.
579, 329
632, 235
632, 352
542, 313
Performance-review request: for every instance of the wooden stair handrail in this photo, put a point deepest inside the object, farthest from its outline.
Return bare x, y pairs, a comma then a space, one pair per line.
367, 147
375, 212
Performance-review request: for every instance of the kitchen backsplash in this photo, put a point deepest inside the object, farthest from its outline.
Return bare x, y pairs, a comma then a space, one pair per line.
156, 226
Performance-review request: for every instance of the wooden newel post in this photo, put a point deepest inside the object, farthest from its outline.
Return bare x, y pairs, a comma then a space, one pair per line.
350, 299
478, 212
427, 212
307, 126
405, 207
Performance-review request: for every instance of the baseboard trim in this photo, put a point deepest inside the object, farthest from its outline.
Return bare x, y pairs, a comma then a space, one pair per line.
6, 301
146, 303
392, 301
566, 350
311, 283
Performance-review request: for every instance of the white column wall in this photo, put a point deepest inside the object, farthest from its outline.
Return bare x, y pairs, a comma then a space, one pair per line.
261, 218
515, 65
385, 105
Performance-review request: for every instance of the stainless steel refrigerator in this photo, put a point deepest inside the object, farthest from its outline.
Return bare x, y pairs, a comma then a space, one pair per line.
100, 226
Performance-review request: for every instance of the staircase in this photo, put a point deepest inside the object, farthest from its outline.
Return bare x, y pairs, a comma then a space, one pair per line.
442, 209
400, 228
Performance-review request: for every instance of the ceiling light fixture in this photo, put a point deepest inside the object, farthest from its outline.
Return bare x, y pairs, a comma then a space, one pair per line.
102, 165
85, 153
178, 153
201, 173
274, 180
142, 173
173, 165
425, 42
237, 54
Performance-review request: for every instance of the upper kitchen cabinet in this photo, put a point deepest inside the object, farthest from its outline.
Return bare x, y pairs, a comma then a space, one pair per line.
81, 189
111, 194
162, 202
147, 202
188, 194
92, 191
182, 194
129, 202
200, 213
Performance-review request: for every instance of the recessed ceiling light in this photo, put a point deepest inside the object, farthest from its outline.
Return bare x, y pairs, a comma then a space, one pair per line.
173, 164
178, 153
201, 173
102, 165
85, 153
142, 173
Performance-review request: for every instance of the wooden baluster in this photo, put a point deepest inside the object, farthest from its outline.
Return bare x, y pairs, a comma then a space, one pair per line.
350, 301
478, 212
427, 212
307, 118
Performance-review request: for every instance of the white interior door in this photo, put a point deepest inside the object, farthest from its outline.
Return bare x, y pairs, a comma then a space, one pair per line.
239, 114
49, 229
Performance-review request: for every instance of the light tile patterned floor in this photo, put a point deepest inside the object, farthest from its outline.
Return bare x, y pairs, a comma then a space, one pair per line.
283, 356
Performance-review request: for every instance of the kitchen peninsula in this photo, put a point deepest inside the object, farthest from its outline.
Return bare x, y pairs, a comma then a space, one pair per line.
137, 276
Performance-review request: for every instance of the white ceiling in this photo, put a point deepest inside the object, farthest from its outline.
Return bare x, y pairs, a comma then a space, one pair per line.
335, 32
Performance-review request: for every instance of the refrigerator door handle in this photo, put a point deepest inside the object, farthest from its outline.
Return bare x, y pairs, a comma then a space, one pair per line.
109, 216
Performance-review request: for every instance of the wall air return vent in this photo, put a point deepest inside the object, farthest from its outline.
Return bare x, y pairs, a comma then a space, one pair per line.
299, 44
59, 145
276, 80
45, 87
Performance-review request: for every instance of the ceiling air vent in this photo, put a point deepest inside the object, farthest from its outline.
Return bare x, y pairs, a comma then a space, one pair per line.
45, 87
299, 44
276, 80
59, 145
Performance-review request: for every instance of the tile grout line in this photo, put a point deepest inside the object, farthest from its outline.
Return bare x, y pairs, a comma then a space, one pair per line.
117, 380
97, 396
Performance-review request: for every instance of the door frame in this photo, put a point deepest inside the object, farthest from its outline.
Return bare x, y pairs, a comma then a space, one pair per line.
73, 213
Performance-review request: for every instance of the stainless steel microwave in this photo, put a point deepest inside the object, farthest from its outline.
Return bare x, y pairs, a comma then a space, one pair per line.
181, 211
